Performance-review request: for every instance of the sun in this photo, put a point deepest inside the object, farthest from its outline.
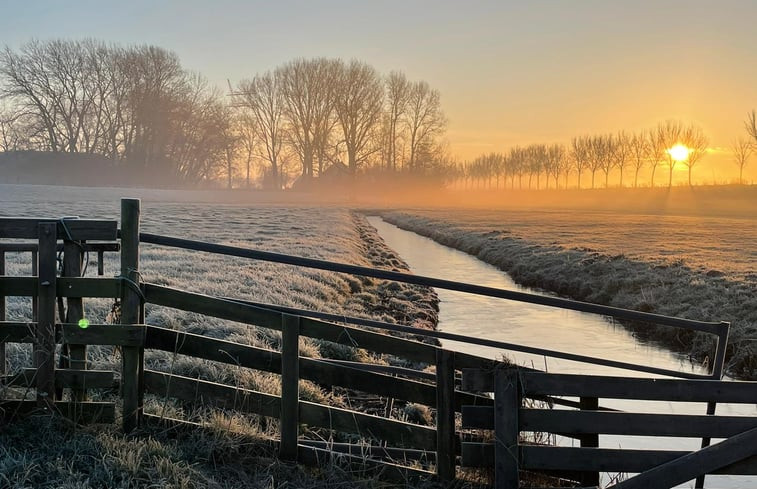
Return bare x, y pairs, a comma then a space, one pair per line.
679, 152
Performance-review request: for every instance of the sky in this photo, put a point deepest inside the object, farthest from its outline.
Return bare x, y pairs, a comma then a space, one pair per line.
508, 72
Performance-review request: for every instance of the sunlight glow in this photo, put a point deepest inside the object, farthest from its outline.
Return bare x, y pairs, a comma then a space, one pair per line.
679, 152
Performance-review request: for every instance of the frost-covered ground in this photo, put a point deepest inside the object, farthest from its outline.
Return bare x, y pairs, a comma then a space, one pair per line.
696, 267
330, 233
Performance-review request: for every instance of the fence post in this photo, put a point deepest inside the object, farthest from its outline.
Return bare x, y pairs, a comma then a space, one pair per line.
589, 440
44, 340
2, 314
72, 266
445, 414
717, 374
506, 430
35, 270
130, 311
290, 380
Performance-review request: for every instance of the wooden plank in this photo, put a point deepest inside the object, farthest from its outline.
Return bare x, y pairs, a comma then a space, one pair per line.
79, 229
78, 412
637, 388
35, 270
506, 406
94, 334
316, 370
244, 313
66, 287
478, 417
690, 466
290, 386
2, 317
77, 353
640, 424
75, 379
130, 312
588, 440
44, 333
478, 380
718, 367
199, 346
210, 393
466, 360
368, 426
477, 455
445, 414
211, 306
345, 420
29, 247
130, 336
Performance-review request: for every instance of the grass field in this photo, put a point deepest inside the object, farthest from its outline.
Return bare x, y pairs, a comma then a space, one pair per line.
700, 267
30, 457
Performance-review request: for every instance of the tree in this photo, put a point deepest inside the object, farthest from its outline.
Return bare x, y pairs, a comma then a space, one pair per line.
358, 102
425, 121
607, 146
638, 147
742, 150
696, 142
751, 126
669, 134
556, 161
598, 155
12, 134
621, 153
307, 88
655, 150
263, 103
518, 163
579, 148
397, 97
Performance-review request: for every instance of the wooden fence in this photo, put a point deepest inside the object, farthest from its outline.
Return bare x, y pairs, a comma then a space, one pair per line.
390, 441
509, 417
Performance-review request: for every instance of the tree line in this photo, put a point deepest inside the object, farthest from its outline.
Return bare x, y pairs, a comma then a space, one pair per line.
322, 112
592, 155
139, 107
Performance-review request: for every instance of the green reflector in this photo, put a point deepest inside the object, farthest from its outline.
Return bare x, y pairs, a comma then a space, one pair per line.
84, 323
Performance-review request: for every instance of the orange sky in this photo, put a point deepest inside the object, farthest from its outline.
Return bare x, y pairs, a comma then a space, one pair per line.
509, 72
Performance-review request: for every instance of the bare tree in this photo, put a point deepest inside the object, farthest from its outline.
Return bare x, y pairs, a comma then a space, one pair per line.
307, 87
742, 150
425, 120
622, 153
751, 125
12, 133
397, 96
638, 147
670, 133
598, 155
606, 146
696, 142
358, 102
655, 150
518, 163
263, 101
579, 148
556, 161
